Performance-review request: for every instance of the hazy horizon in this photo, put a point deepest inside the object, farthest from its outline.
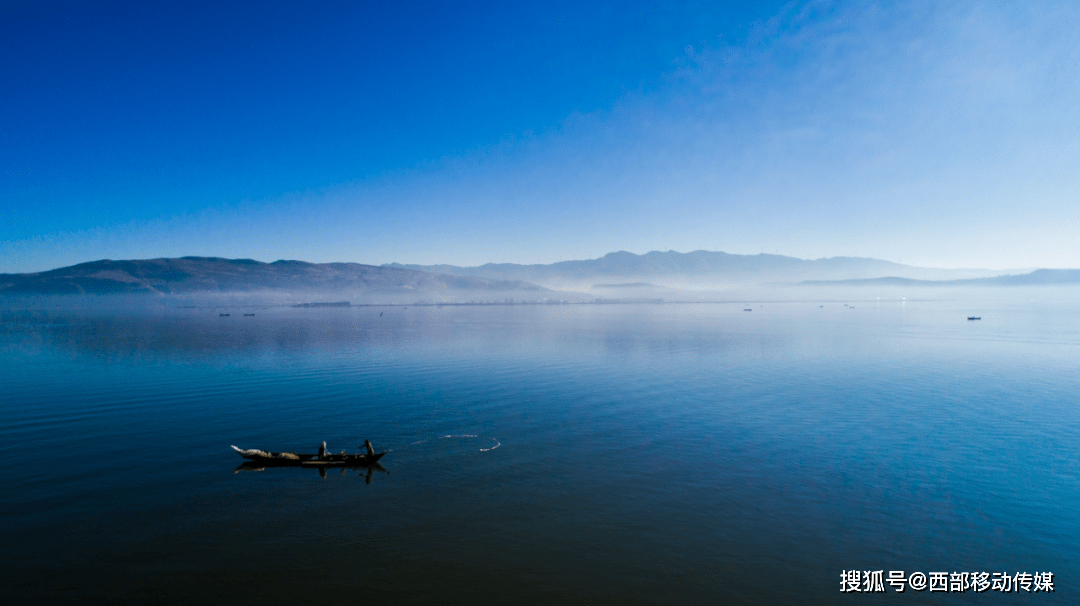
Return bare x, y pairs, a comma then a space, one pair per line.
618, 278
923, 134
500, 262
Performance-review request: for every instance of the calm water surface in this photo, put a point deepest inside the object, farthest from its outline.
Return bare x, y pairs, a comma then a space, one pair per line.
611, 454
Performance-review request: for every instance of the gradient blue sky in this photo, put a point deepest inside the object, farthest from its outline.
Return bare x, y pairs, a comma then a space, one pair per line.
931, 133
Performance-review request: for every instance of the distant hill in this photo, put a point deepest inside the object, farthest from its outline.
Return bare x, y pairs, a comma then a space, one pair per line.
211, 274
701, 266
631, 285
1039, 276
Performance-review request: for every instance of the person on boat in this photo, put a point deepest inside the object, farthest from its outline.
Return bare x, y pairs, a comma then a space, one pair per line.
322, 450
370, 449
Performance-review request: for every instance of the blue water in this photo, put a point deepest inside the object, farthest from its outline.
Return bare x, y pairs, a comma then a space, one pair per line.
623, 454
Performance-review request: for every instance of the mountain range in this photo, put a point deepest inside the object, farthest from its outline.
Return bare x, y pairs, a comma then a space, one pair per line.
700, 267
620, 274
212, 274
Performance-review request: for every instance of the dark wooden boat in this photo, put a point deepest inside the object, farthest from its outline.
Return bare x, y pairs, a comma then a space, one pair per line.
292, 459
974, 317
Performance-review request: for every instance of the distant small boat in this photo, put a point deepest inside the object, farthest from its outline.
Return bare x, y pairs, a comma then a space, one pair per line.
974, 317
223, 315
748, 310
249, 314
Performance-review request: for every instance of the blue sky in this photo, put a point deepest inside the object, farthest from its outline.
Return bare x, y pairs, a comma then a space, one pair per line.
936, 134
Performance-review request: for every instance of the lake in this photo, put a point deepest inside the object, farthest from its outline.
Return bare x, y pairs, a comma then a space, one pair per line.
579, 454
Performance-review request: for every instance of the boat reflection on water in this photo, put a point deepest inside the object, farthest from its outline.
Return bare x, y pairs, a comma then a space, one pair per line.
262, 466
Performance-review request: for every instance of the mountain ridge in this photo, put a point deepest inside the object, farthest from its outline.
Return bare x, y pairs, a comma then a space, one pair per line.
215, 274
621, 271
1039, 276
699, 266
